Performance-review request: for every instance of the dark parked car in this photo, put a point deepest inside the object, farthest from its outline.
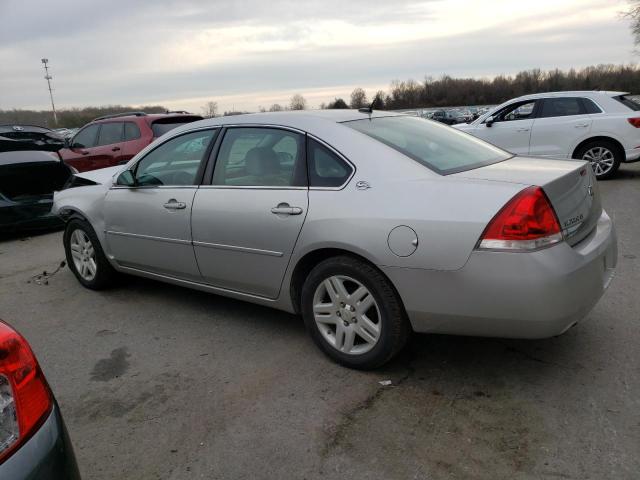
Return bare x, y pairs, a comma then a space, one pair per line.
30, 171
115, 139
34, 443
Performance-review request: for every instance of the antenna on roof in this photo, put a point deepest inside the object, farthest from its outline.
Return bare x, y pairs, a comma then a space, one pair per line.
369, 109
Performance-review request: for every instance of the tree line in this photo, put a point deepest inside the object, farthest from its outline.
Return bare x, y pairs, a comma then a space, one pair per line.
444, 91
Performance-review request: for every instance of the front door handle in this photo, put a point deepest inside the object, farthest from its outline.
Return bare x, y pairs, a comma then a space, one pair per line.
581, 125
173, 204
522, 130
115, 149
286, 209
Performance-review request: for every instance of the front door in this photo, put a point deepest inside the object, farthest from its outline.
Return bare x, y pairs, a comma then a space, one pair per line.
246, 223
511, 127
148, 225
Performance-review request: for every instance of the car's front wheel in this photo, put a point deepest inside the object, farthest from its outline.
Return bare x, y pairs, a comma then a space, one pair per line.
353, 313
85, 257
604, 156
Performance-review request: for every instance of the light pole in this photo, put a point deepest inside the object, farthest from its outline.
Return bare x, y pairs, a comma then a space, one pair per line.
48, 78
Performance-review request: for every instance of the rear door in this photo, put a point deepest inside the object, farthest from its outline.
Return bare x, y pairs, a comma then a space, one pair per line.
133, 141
246, 222
511, 127
561, 124
108, 150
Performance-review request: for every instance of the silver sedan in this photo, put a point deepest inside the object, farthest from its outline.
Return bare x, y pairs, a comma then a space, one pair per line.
370, 225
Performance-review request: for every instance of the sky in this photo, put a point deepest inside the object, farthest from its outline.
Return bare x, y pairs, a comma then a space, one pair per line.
244, 54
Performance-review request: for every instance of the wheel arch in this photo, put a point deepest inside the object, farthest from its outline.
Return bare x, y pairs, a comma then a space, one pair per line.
309, 260
602, 138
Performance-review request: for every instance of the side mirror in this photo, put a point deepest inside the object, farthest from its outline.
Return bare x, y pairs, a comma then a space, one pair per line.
126, 179
67, 142
489, 121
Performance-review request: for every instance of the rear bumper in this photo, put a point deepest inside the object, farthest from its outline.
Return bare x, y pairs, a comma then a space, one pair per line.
47, 455
512, 295
632, 155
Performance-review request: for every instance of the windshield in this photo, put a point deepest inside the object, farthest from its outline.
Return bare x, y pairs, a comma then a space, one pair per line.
438, 147
631, 101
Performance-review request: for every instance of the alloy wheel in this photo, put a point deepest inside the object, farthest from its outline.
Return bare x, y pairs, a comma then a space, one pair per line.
601, 158
347, 315
83, 254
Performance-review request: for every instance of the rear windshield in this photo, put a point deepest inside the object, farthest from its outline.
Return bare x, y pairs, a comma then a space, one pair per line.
631, 101
160, 127
438, 147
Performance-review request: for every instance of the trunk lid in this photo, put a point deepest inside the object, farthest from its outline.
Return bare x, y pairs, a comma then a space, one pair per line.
569, 184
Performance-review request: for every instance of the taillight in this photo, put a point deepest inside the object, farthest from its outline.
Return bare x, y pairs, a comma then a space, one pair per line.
526, 222
635, 121
25, 398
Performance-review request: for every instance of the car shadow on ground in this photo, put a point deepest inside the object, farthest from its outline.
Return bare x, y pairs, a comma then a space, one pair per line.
426, 352
23, 235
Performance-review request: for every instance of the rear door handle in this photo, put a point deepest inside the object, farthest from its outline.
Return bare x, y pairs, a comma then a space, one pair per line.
581, 125
115, 149
173, 204
286, 209
522, 130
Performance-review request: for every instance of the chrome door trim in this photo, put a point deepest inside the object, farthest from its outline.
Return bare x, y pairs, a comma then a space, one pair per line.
199, 285
235, 248
250, 187
149, 237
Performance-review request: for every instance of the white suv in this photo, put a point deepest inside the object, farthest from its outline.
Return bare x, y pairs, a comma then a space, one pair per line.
601, 127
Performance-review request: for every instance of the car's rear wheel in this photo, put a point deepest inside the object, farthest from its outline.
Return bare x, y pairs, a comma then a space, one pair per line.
85, 256
353, 313
604, 156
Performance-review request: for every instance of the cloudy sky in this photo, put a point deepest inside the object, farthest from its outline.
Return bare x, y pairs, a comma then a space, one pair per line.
247, 53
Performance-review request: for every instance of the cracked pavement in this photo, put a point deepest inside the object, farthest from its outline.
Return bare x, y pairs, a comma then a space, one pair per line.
160, 382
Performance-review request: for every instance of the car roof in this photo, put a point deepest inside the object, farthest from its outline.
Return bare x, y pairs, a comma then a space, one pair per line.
295, 118
147, 117
573, 93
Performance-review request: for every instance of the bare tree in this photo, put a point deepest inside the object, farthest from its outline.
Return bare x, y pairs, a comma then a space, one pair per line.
276, 107
358, 98
634, 14
210, 109
298, 102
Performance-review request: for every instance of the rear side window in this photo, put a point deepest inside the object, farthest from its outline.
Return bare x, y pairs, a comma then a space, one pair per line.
631, 101
110, 133
86, 138
561, 107
131, 131
326, 169
442, 149
261, 157
590, 106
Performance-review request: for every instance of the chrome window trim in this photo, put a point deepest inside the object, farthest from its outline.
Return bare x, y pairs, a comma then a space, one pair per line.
146, 187
235, 248
149, 237
249, 187
339, 155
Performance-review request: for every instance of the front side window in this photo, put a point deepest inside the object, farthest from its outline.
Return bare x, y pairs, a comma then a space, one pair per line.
326, 169
562, 107
175, 162
438, 147
260, 157
86, 138
110, 133
517, 111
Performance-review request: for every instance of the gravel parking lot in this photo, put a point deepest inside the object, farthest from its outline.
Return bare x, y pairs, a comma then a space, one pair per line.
159, 382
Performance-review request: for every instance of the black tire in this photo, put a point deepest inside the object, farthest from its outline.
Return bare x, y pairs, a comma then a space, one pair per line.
105, 274
394, 325
618, 156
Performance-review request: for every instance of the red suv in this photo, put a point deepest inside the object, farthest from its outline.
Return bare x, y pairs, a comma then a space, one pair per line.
115, 139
